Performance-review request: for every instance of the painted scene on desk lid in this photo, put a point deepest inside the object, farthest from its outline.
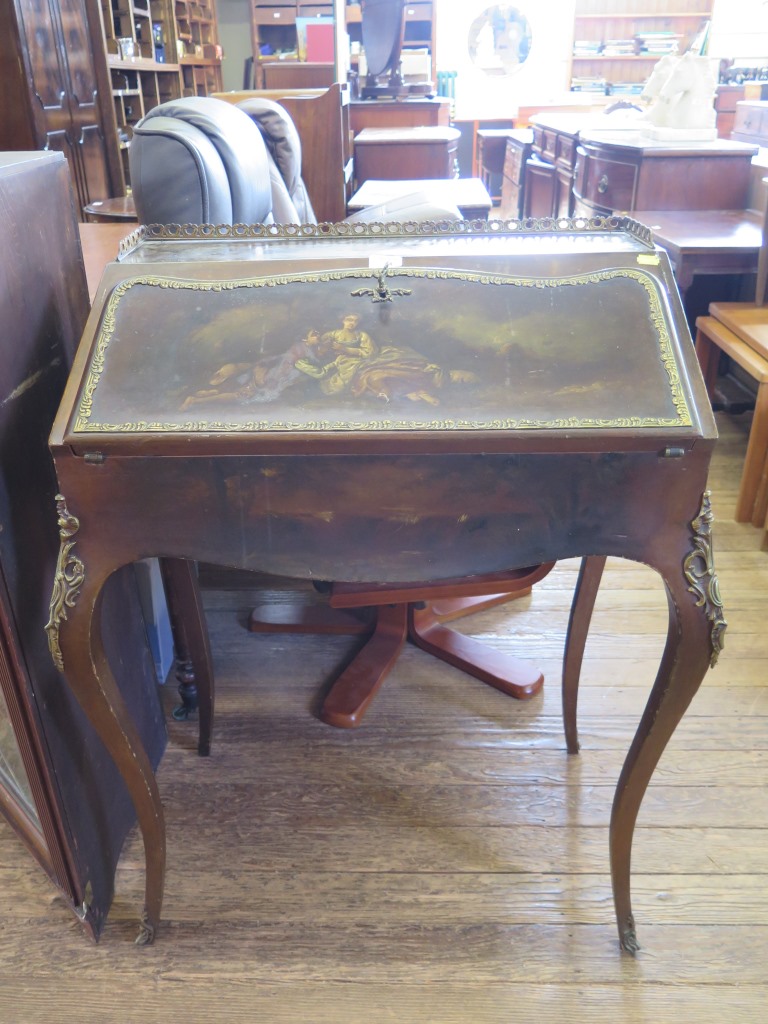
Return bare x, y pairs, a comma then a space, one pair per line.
411, 349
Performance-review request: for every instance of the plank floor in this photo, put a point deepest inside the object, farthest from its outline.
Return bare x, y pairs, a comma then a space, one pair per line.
448, 861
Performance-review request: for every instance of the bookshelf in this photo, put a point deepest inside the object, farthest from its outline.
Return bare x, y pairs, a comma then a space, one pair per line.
278, 34
617, 44
158, 50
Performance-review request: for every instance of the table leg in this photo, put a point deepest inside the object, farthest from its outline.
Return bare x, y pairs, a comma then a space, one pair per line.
75, 641
191, 646
588, 583
694, 640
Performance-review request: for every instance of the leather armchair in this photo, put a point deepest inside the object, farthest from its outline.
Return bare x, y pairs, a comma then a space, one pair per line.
290, 200
201, 160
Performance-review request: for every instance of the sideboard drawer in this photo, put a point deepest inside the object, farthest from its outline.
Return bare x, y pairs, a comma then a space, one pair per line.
750, 118
513, 159
751, 122
539, 189
566, 151
606, 183
549, 152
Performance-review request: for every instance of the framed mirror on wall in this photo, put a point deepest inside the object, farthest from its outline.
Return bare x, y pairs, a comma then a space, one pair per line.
499, 40
504, 55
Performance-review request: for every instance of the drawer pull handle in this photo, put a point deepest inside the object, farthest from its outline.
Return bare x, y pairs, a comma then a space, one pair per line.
602, 185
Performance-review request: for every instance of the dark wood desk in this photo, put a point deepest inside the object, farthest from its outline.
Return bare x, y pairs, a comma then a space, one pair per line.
706, 241
476, 415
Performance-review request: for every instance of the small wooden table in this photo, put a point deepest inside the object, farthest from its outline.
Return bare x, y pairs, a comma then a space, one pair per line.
493, 399
706, 241
468, 194
120, 208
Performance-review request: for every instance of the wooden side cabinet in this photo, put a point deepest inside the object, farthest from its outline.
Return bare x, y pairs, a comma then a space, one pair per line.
278, 39
55, 91
398, 154
58, 789
79, 74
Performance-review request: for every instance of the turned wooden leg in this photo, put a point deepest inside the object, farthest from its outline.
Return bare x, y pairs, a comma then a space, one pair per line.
694, 639
590, 574
194, 665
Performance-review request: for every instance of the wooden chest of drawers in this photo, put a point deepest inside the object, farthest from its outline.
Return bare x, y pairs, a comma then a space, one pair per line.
555, 139
622, 171
751, 122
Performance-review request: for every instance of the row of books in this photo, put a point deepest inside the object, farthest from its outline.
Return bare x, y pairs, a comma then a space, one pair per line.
602, 87
646, 44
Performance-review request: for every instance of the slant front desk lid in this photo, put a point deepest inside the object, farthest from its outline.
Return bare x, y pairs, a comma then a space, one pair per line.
481, 333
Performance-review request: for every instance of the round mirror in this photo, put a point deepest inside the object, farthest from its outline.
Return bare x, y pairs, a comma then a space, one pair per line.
499, 39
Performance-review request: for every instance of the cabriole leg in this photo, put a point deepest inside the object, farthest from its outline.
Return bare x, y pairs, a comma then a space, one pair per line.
694, 640
75, 641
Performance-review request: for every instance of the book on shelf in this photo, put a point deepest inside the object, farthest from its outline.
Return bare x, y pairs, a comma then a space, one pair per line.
587, 47
619, 48
580, 83
658, 43
625, 88
700, 42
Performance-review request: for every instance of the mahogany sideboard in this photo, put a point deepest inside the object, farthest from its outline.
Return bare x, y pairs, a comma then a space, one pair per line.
549, 174
389, 404
624, 171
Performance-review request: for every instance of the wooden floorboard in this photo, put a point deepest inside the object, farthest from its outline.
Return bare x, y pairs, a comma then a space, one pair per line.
446, 863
